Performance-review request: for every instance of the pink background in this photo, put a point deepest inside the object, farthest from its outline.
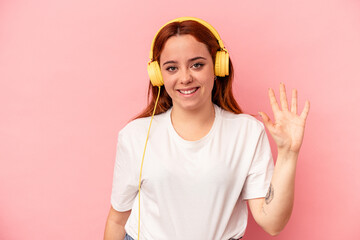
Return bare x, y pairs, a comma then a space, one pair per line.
73, 72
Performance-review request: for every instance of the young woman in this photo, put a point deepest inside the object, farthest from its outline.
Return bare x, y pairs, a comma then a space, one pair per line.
204, 158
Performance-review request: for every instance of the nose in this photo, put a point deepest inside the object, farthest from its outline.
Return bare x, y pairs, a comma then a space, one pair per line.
186, 77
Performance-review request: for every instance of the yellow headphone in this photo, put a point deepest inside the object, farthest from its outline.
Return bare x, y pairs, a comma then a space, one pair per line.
221, 60
221, 70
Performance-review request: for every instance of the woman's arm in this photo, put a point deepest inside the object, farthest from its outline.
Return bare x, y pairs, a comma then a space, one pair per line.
273, 212
115, 225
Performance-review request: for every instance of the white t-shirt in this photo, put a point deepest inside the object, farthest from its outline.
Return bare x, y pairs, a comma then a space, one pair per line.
191, 189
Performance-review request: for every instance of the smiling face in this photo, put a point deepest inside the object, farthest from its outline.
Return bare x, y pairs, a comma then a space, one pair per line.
188, 72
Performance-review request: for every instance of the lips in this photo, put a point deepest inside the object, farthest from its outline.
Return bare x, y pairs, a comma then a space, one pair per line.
188, 91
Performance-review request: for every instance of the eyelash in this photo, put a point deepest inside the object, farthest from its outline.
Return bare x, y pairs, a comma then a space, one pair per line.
168, 69
172, 68
199, 65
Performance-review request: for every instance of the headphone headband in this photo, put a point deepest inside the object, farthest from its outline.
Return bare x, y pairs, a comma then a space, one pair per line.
182, 19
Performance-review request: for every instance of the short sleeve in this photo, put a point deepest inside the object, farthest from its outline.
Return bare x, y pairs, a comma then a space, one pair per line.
125, 184
259, 176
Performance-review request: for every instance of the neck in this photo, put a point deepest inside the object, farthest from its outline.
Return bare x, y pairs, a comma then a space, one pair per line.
193, 124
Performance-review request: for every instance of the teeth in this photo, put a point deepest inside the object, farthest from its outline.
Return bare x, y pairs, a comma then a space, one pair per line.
188, 91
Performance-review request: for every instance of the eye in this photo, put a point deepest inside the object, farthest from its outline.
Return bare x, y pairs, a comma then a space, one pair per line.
171, 69
197, 65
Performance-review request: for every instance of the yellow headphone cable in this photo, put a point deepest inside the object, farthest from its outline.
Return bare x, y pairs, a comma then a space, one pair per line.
142, 161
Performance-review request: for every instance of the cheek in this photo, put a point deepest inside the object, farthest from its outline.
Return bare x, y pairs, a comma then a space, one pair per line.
211, 87
212, 83
168, 85
207, 79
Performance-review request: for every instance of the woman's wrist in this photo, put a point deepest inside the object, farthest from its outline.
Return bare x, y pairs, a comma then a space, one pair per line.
287, 154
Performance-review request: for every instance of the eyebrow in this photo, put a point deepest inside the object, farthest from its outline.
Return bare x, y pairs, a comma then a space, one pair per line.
190, 60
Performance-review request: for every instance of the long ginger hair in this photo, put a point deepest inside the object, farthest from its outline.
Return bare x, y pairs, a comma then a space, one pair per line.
222, 91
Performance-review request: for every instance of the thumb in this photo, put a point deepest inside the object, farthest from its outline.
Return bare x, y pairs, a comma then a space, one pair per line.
267, 121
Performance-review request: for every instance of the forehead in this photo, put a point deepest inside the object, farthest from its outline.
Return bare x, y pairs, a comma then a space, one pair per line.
183, 46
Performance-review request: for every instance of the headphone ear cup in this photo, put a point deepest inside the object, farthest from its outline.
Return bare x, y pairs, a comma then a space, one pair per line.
222, 63
154, 72
227, 66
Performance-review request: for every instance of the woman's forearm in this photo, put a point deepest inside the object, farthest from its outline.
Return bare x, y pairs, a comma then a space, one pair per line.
114, 231
276, 208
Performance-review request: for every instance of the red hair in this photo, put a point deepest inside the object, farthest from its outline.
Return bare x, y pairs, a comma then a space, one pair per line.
222, 92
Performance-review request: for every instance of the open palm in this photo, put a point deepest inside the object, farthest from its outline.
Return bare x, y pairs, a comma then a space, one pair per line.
288, 127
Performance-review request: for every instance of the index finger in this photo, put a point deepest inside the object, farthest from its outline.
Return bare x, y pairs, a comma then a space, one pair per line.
274, 105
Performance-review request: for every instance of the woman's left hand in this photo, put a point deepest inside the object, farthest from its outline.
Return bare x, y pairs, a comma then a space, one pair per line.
288, 128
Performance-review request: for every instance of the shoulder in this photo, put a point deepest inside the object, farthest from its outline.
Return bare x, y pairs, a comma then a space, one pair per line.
241, 120
139, 127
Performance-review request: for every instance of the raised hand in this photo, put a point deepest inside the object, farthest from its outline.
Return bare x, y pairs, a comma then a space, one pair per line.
288, 127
